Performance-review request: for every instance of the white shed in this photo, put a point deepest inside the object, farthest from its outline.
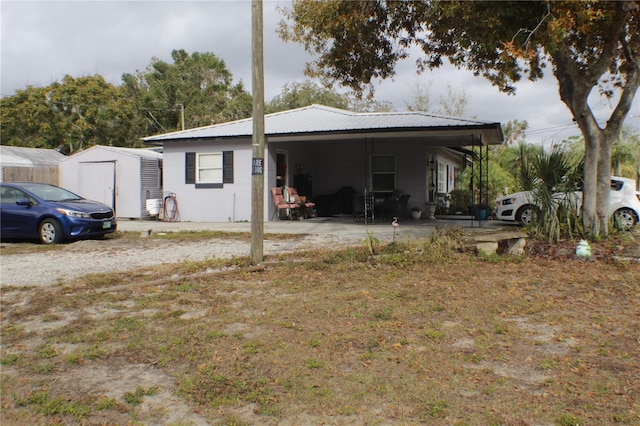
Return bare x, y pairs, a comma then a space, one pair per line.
122, 178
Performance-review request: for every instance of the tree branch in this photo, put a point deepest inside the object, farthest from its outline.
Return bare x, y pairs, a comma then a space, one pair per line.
532, 32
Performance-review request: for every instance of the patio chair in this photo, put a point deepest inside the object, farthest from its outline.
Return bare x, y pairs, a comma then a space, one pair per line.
363, 207
280, 204
369, 207
307, 207
396, 205
402, 204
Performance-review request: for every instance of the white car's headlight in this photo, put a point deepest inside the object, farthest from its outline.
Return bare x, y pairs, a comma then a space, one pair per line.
73, 213
508, 201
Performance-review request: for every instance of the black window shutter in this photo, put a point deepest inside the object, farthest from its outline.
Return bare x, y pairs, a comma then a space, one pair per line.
227, 166
190, 167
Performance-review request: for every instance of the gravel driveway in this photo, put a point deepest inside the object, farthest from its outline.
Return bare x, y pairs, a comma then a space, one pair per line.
110, 255
78, 258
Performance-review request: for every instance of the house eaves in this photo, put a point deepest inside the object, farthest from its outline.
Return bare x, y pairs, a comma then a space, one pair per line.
318, 122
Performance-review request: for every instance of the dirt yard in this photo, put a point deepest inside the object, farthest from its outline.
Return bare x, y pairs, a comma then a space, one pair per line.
415, 333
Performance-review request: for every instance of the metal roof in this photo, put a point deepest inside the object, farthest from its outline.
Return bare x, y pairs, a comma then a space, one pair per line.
16, 156
320, 121
137, 152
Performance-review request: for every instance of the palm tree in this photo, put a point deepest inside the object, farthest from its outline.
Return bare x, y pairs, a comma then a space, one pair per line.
557, 178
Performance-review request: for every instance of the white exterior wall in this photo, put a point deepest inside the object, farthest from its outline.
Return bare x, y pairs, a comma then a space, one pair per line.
128, 179
451, 161
231, 203
331, 165
411, 168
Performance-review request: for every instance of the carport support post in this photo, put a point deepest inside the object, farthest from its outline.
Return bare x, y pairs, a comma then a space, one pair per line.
257, 140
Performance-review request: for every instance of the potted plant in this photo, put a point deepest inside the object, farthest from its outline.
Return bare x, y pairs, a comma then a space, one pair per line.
460, 200
416, 213
431, 209
481, 211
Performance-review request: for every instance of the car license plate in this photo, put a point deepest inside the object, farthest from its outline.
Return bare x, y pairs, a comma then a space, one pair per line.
106, 225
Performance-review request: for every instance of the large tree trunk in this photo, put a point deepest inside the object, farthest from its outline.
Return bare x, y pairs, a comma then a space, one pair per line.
574, 90
598, 145
604, 186
590, 184
575, 83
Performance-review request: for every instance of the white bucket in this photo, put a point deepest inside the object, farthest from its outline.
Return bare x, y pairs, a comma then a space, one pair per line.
153, 206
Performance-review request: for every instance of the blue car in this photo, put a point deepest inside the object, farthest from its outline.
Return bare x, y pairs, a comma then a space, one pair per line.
51, 214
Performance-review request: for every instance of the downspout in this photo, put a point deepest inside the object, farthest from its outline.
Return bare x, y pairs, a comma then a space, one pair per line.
233, 209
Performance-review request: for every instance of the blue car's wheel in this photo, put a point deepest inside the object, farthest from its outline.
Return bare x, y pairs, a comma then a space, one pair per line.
50, 231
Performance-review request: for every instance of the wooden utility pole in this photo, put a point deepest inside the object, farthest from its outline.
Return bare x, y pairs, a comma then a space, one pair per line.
257, 139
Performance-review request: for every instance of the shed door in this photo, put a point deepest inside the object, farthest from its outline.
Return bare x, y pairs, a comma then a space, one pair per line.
98, 182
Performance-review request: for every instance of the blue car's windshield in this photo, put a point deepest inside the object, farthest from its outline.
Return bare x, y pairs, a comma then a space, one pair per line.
51, 193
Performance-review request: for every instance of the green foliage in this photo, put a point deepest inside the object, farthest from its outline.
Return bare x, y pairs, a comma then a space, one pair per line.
79, 112
136, 397
569, 420
46, 351
200, 84
515, 159
501, 44
43, 403
554, 192
302, 94
435, 409
625, 152
9, 359
499, 179
298, 95
514, 132
434, 334
106, 404
313, 363
371, 242
85, 111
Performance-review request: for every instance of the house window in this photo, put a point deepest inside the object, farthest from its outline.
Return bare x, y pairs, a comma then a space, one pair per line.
442, 177
383, 173
209, 170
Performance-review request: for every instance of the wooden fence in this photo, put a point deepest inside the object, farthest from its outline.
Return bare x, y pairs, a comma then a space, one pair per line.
31, 174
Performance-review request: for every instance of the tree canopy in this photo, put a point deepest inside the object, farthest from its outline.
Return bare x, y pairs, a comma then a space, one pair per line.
85, 111
588, 45
79, 112
198, 84
297, 95
301, 94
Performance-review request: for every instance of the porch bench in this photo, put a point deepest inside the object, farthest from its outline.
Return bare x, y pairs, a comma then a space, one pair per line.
488, 243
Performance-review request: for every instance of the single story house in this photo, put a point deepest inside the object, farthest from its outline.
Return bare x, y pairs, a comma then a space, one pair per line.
330, 155
21, 164
122, 178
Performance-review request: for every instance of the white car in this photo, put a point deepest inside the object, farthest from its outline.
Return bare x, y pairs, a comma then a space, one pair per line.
624, 204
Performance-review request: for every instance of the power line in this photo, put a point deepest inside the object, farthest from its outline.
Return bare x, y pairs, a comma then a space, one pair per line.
560, 127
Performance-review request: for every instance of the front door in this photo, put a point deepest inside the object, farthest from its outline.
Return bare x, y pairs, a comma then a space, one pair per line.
282, 171
431, 178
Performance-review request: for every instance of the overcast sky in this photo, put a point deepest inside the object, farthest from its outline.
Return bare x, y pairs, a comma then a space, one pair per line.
42, 41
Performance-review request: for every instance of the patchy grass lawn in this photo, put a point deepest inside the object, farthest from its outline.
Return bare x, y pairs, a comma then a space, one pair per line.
418, 333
